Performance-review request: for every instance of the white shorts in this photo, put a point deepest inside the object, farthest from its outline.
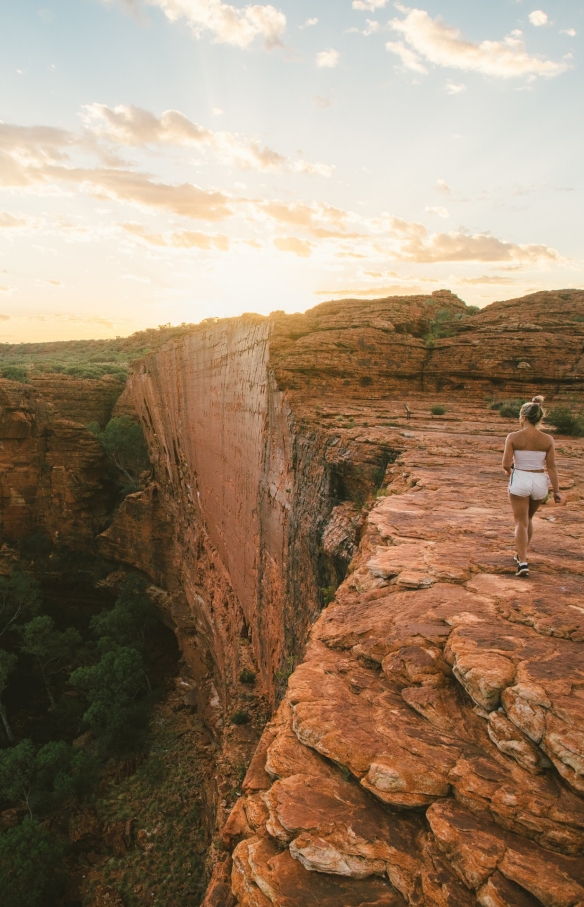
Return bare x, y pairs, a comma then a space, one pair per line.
525, 484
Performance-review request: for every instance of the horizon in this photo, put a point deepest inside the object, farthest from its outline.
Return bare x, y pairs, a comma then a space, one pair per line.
169, 161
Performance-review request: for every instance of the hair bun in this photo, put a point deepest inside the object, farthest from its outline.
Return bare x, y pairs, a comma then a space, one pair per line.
538, 399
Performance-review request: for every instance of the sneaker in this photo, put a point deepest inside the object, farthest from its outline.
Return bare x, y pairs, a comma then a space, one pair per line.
522, 569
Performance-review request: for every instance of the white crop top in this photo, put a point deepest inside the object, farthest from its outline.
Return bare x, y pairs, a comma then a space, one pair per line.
529, 459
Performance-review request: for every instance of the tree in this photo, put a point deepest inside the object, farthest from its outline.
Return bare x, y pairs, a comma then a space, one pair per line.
125, 445
51, 649
31, 861
132, 616
7, 664
45, 778
116, 714
20, 597
17, 773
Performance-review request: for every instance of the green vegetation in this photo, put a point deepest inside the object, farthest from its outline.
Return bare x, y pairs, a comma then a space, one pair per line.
566, 421
14, 373
19, 598
445, 323
96, 677
240, 717
247, 676
46, 778
125, 445
51, 649
92, 359
437, 410
30, 865
510, 409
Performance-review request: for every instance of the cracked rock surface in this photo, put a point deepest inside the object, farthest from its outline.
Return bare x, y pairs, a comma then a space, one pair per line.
430, 748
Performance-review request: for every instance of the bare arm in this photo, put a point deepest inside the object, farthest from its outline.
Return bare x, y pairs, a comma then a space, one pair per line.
508, 455
550, 462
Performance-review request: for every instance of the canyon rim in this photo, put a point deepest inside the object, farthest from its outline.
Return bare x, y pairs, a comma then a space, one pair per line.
373, 710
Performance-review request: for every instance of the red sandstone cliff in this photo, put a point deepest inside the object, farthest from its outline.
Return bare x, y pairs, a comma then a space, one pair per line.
429, 748
404, 733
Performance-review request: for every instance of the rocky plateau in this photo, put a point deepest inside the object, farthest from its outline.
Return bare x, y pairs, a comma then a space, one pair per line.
415, 728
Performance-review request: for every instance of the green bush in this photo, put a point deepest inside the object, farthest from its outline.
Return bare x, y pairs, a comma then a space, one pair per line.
247, 676
15, 373
31, 865
437, 410
566, 421
125, 445
240, 717
118, 712
510, 409
20, 598
131, 618
495, 404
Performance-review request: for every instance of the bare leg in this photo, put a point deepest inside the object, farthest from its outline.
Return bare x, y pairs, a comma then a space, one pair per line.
520, 507
533, 506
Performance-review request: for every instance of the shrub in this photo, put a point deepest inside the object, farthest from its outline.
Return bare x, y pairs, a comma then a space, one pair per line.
495, 405
437, 410
125, 445
365, 381
566, 421
510, 409
15, 373
247, 676
31, 861
240, 717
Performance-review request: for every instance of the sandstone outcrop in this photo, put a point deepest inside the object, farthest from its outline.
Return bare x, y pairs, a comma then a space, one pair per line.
302, 534
53, 474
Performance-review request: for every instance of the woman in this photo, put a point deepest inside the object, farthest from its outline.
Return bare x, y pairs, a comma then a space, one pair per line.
526, 452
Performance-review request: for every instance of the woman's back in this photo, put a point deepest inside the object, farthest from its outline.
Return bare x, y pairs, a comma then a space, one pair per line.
530, 439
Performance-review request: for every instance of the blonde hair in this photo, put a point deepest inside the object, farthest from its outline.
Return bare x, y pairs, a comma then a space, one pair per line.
532, 411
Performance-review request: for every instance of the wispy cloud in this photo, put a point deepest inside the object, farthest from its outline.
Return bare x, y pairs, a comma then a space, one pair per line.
299, 247
10, 222
439, 210
443, 45
569, 31
455, 87
414, 243
227, 24
369, 5
178, 239
132, 126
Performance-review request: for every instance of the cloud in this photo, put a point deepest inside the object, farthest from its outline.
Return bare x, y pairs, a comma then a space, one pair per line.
129, 125
444, 45
327, 59
369, 5
569, 31
322, 102
409, 59
414, 243
133, 126
10, 222
7, 289
299, 247
316, 217
538, 17
441, 212
309, 23
180, 239
4, 317
442, 186
379, 292
455, 87
485, 279
227, 24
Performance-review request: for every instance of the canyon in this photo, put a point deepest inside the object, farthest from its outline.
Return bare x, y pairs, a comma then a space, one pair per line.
338, 572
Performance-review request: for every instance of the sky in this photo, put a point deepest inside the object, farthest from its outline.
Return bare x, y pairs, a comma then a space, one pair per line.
166, 161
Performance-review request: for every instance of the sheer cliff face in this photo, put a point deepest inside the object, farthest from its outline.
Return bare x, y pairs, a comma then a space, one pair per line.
53, 473
221, 447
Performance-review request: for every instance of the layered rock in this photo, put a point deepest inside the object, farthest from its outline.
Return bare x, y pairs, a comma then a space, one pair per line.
53, 474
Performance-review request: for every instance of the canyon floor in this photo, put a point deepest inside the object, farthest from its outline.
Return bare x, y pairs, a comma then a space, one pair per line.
429, 748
